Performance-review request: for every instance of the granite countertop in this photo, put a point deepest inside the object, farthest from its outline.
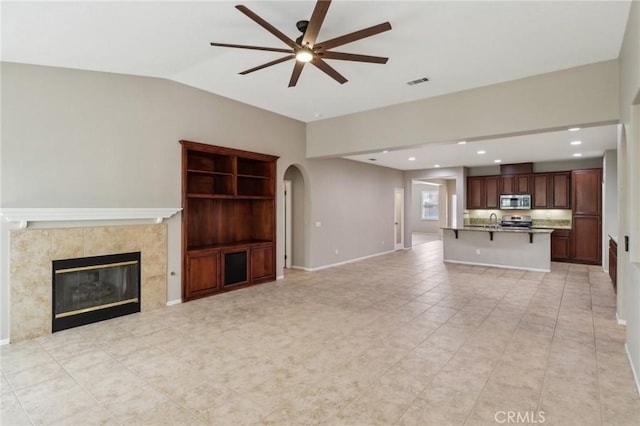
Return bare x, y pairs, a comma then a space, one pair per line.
501, 229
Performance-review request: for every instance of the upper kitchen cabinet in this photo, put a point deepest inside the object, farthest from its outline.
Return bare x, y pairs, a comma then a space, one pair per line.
587, 186
517, 184
540, 193
491, 192
560, 190
475, 192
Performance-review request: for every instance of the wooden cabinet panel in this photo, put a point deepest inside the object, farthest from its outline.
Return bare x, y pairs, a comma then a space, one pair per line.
491, 192
506, 185
586, 238
613, 263
586, 191
522, 184
560, 190
475, 193
262, 262
202, 274
560, 245
540, 192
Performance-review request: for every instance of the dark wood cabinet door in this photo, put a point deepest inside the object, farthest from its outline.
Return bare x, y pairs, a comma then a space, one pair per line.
522, 184
560, 191
613, 264
540, 193
560, 245
586, 191
262, 262
506, 185
586, 239
475, 193
491, 192
203, 274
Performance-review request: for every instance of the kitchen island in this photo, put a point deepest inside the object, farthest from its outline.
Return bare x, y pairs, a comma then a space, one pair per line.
496, 246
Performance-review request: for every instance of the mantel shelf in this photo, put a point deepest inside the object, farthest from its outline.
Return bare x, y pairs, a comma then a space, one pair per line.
25, 215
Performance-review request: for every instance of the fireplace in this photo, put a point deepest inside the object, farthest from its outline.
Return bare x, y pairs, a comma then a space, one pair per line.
92, 289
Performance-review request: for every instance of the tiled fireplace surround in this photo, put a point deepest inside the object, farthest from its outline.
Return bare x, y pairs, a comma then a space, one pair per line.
31, 252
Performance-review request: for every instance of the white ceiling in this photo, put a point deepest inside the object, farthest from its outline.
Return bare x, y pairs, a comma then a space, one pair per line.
458, 45
552, 146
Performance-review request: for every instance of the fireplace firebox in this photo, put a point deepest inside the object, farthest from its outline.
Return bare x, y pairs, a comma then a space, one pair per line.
92, 289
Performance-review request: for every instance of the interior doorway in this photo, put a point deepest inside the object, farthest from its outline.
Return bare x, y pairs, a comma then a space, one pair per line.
294, 212
398, 219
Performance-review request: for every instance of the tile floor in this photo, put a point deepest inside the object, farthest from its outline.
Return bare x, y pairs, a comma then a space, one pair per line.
400, 339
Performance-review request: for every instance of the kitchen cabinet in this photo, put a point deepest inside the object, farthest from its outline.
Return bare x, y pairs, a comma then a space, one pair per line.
475, 192
540, 192
522, 184
506, 185
613, 263
561, 245
491, 192
228, 219
560, 190
586, 196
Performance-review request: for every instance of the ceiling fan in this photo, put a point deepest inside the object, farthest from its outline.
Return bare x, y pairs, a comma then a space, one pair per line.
305, 49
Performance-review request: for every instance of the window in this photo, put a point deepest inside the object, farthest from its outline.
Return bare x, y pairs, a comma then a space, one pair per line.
430, 204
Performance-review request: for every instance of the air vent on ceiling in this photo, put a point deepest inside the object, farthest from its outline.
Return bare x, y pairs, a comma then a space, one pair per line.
373, 159
418, 81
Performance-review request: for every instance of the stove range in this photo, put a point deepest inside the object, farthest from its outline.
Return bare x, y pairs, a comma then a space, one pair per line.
509, 221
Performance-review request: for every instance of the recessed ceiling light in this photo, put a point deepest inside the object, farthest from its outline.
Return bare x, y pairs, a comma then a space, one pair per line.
482, 152
436, 165
576, 142
462, 142
577, 154
497, 161
317, 115
574, 129
412, 158
385, 151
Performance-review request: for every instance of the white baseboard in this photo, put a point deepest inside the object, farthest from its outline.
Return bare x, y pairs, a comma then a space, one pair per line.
620, 320
4, 342
302, 268
497, 266
345, 262
174, 302
633, 370
280, 277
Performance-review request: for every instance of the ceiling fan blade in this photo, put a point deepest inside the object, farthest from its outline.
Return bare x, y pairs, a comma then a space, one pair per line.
297, 69
317, 18
267, 26
268, 64
351, 37
327, 69
353, 57
242, 46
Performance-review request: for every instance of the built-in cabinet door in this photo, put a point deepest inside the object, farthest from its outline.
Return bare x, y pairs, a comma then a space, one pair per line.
613, 263
586, 246
560, 245
261, 262
475, 193
203, 274
560, 188
491, 192
540, 191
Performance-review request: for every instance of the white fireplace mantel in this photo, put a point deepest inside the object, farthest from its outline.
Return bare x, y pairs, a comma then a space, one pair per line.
23, 216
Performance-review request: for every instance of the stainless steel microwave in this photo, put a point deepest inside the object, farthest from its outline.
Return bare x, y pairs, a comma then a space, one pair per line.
515, 202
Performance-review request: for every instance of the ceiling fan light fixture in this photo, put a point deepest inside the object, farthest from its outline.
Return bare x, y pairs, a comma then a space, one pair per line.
304, 55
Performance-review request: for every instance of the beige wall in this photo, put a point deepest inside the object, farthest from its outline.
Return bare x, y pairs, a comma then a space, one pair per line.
561, 99
429, 226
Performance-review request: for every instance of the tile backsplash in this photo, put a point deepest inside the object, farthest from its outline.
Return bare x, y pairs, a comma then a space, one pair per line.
548, 218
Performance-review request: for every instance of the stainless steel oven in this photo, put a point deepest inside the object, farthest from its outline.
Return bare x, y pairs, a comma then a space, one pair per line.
515, 202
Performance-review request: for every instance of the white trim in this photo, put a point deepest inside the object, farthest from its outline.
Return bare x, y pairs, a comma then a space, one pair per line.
280, 277
25, 215
4, 342
174, 302
302, 268
345, 262
633, 370
620, 320
521, 268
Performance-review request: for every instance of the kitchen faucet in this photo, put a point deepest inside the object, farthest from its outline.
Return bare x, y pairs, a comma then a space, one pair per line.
493, 220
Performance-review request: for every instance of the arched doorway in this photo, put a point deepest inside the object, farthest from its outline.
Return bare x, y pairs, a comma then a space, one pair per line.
294, 222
